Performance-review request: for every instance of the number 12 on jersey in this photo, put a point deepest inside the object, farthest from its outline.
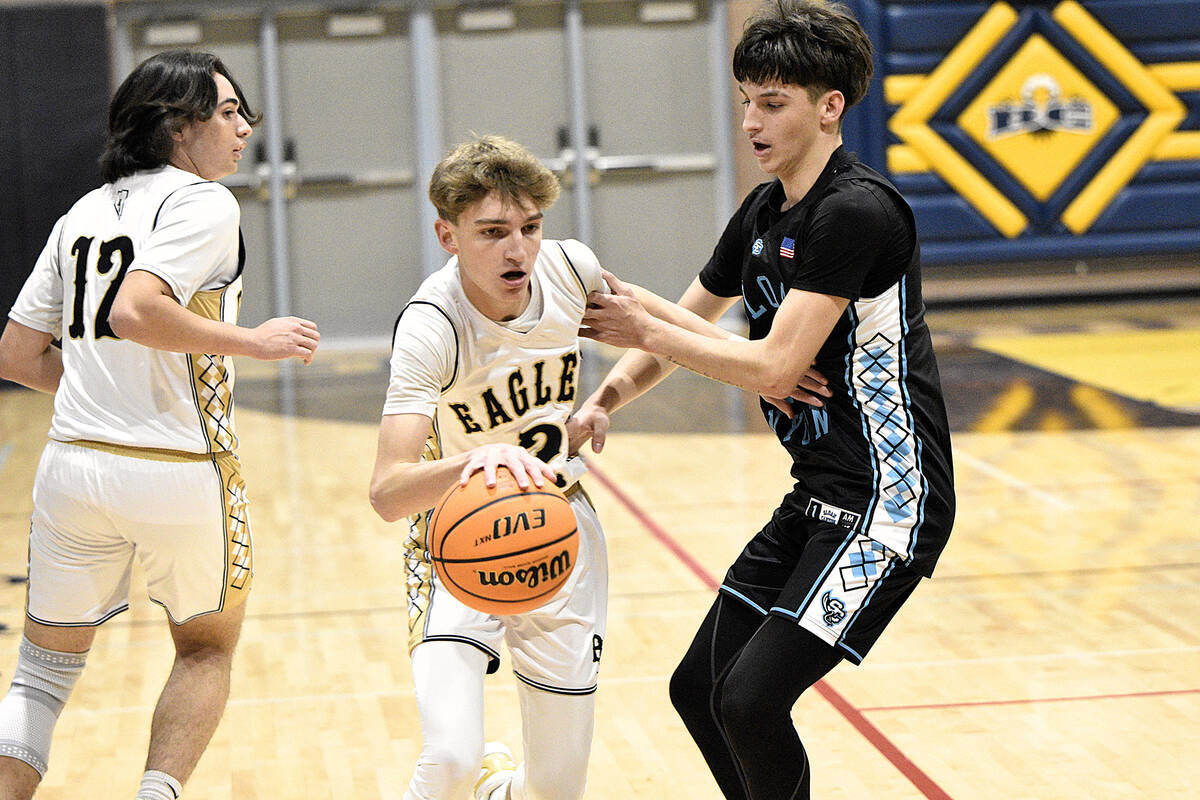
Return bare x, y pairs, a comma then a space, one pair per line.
108, 254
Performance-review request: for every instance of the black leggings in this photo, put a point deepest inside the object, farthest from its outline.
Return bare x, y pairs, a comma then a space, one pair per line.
735, 689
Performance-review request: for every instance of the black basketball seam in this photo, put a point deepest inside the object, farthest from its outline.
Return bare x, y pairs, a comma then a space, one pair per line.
440, 540
550, 590
490, 503
564, 537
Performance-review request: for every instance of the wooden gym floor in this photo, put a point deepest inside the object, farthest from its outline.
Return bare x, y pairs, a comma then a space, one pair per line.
1054, 655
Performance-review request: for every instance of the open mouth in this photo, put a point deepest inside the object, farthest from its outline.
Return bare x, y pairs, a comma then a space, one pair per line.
760, 148
513, 276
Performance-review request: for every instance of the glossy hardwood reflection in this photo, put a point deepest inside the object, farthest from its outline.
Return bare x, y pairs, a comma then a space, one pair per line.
1054, 655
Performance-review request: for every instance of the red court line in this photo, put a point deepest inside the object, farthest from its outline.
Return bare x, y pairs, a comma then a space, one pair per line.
853, 715
1032, 700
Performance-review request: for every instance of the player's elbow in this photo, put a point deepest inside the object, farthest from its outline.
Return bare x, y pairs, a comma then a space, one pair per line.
9, 366
125, 320
383, 504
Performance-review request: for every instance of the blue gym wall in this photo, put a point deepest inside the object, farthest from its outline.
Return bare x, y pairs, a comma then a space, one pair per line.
1038, 131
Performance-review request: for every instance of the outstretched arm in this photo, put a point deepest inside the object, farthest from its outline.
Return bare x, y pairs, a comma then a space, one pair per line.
146, 311
636, 372
773, 366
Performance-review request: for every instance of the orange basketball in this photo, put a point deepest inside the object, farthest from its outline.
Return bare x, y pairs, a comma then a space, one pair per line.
502, 550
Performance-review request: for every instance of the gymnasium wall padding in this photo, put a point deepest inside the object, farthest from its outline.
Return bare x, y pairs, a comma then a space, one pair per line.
1030, 131
54, 91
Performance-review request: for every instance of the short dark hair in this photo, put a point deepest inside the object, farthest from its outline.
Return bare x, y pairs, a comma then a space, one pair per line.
819, 46
160, 96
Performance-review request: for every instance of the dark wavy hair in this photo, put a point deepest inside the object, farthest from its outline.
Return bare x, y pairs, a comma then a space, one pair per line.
160, 96
819, 46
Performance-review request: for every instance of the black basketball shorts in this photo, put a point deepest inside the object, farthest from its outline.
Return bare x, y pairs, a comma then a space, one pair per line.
836, 583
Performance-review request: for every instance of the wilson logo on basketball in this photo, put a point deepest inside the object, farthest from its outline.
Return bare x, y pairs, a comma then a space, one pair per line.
502, 549
531, 577
515, 523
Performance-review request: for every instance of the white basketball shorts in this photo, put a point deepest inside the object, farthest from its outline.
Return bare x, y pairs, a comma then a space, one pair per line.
95, 506
555, 647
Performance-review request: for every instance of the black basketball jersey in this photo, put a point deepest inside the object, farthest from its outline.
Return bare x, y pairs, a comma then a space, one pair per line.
876, 458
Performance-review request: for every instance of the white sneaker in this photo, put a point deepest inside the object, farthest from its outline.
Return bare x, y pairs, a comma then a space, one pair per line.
498, 769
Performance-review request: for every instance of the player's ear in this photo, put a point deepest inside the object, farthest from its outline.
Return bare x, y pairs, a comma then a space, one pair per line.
831, 105
445, 236
176, 127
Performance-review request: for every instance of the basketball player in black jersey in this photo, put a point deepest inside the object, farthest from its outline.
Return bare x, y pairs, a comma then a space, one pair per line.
826, 261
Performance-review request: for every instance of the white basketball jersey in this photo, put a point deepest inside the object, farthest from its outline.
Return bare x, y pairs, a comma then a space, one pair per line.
483, 381
181, 228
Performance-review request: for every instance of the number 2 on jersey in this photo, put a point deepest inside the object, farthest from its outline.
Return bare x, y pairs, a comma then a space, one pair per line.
548, 439
121, 246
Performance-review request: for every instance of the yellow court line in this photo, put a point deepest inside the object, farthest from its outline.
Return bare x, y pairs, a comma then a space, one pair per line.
1100, 407
1009, 407
1153, 366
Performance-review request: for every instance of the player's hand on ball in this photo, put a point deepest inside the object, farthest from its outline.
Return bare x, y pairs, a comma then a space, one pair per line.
525, 468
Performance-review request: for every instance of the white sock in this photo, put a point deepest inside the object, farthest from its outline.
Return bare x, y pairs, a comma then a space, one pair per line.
159, 786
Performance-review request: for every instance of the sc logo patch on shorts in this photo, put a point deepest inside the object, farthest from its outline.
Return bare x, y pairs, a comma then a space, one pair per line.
835, 609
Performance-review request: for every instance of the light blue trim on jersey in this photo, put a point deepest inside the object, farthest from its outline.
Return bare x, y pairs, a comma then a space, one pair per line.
912, 423
858, 657
851, 349
743, 598
878, 372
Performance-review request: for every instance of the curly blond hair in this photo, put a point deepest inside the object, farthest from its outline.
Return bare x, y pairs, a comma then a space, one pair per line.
486, 164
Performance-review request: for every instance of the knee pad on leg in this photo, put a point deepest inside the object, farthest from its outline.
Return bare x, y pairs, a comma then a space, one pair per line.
40, 687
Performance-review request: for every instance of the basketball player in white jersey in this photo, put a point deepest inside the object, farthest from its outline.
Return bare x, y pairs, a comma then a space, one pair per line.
484, 371
141, 281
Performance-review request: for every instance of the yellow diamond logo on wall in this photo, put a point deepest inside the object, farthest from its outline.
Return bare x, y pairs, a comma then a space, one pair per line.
1028, 116
1039, 117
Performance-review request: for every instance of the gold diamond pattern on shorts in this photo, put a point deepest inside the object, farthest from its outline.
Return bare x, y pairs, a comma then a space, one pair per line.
419, 578
238, 525
215, 395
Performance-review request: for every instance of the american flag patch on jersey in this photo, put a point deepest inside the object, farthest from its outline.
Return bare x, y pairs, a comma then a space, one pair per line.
788, 248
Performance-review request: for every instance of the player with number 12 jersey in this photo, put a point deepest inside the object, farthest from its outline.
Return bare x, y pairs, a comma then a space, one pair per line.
182, 229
